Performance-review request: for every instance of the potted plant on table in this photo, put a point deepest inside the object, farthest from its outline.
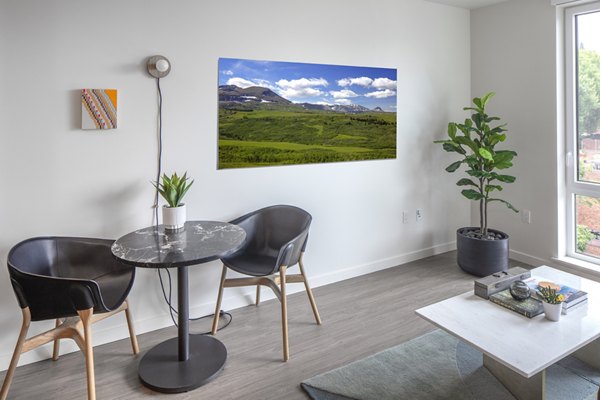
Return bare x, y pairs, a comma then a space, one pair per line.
551, 300
172, 189
481, 250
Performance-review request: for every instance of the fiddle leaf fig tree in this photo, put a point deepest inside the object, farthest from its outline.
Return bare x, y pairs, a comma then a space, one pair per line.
475, 142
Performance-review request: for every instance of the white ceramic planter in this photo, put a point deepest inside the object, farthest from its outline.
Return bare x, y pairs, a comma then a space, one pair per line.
174, 217
552, 311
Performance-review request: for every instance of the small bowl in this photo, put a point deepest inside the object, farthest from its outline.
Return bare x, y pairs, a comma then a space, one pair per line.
519, 290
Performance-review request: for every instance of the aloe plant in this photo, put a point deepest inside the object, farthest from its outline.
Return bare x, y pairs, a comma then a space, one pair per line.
173, 188
475, 141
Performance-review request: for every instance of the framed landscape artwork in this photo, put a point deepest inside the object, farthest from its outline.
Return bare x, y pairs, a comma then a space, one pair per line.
282, 113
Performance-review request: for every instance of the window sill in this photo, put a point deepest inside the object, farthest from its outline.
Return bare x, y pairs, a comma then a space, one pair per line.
580, 267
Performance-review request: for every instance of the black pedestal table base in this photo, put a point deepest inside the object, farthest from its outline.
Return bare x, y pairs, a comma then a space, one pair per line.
161, 370
188, 361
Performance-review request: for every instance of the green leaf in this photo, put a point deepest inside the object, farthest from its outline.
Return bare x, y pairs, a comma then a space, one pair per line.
477, 101
173, 188
510, 206
466, 182
472, 194
479, 174
486, 98
500, 138
450, 147
468, 142
477, 118
491, 188
452, 130
506, 178
513, 153
486, 154
454, 166
502, 159
498, 129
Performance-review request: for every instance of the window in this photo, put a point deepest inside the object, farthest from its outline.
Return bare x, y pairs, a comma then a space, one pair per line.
583, 131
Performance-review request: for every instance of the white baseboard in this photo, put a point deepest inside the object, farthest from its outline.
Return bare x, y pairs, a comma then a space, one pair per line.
233, 298
529, 259
566, 264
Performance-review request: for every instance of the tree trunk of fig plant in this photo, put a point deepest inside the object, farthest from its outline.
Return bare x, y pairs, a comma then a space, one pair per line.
482, 216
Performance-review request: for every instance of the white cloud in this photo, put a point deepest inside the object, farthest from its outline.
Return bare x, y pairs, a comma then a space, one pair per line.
240, 82
264, 83
291, 93
245, 83
227, 72
323, 103
343, 94
362, 81
301, 83
301, 88
344, 102
381, 94
384, 83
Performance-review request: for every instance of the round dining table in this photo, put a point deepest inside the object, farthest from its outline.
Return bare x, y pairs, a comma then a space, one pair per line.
187, 361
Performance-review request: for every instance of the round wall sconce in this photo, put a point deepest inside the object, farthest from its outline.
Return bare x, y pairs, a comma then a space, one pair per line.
159, 66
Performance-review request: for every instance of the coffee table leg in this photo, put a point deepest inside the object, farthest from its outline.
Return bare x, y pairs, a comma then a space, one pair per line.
522, 388
590, 354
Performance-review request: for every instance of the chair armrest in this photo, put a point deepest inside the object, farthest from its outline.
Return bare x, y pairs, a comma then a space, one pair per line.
68, 295
289, 253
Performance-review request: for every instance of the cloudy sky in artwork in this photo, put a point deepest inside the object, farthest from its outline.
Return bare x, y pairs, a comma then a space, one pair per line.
314, 83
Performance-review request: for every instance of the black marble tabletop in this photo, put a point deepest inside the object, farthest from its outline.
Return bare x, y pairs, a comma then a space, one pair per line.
198, 242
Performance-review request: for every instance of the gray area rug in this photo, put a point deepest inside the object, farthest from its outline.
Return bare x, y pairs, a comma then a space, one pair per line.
439, 366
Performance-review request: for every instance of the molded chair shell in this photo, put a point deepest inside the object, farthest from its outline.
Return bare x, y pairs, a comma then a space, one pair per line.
276, 238
76, 281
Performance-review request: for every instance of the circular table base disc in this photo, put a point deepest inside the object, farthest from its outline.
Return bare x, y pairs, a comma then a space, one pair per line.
161, 370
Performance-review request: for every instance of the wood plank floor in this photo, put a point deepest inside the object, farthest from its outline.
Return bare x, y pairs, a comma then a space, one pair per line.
361, 316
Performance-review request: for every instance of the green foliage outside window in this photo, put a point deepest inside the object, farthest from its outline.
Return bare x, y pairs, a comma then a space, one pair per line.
584, 236
588, 91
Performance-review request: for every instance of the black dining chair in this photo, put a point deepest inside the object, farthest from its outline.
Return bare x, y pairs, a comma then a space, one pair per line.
75, 281
276, 238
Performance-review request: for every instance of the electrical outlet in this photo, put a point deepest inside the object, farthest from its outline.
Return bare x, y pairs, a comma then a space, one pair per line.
526, 216
419, 214
405, 217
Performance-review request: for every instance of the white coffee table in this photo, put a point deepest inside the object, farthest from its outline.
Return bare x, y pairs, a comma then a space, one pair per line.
517, 349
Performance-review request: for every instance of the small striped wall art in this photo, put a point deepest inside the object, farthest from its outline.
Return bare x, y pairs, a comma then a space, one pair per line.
98, 108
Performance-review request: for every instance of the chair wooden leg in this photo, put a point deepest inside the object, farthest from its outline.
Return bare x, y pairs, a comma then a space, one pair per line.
16, 354
311, 298
257, 294
284, 322
56, 347
86, 317
134, 343
215, 325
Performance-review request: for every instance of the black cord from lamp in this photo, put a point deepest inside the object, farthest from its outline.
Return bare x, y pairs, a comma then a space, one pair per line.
159, 170
168, 299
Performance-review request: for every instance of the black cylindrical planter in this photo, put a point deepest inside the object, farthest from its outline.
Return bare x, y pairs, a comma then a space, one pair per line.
481, 257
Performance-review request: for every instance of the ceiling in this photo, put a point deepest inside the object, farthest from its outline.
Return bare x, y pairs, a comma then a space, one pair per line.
471, 4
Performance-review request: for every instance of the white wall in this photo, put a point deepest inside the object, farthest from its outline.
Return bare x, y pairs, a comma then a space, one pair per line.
513, 48
60, 180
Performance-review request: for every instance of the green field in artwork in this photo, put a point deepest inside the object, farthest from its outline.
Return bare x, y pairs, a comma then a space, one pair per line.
265, 136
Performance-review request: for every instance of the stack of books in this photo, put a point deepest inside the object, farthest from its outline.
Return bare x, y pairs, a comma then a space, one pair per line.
532, 306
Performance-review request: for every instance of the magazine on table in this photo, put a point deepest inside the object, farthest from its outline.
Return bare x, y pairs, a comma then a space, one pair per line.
572, 295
